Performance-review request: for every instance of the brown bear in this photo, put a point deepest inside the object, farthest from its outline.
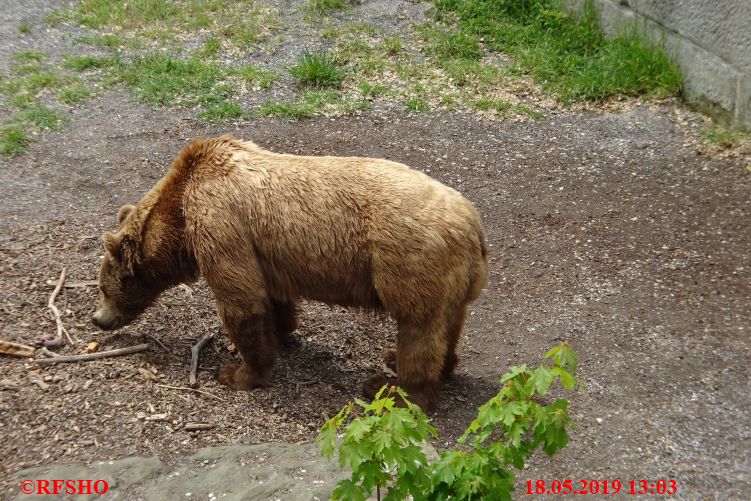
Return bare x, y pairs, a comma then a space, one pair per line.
266, 229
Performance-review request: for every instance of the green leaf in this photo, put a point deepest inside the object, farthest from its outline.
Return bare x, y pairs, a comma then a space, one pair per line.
358, 428
563, 356
567, 380
352, 454
326, 441
349, 491
513, 372
540, 380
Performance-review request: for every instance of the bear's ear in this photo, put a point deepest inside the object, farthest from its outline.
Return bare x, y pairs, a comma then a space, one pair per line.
123, 213
122, 248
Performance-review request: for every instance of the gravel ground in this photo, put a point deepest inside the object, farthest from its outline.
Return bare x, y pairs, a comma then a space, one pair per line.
609, 229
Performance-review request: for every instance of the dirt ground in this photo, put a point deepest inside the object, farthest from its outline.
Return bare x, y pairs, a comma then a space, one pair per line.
606, 229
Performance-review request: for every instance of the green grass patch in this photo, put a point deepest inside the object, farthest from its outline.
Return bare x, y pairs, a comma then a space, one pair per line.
567, 54
13, 140
41, 117
722, 137
74, 95
84, 63
256, 76
454, 44
242, 22
318, 70
210, 49
373, 90
24, 28
312, 103
110, 41
221, 112
159, 80
324, 7
417, 105
393, 45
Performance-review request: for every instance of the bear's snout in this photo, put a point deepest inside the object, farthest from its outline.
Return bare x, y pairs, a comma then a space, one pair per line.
104, 319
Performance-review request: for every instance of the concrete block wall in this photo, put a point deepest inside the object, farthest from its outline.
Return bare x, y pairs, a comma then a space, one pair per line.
709, 39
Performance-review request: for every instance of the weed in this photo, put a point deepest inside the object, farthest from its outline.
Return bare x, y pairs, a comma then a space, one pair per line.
416, 104
393, 45
292, 111
324, 7
373, 90
41, 117
13, 140
160, 80
723, 137
256, 76
210, 49
317, 70
74, 95
24, 27
452, 44
83, 63
110, 41
221, 112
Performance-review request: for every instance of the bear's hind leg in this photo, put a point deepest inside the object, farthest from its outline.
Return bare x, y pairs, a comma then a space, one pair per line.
285, 319
455, 323
253, 335
420, 357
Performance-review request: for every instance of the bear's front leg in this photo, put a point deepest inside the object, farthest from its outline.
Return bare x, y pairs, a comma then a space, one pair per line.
252, 332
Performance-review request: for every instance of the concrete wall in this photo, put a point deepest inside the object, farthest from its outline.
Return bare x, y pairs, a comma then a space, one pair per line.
710, 40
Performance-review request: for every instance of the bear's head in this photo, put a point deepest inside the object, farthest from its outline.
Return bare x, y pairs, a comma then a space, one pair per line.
126, 288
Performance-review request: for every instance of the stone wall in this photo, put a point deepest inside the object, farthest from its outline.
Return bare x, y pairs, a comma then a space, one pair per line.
710, 40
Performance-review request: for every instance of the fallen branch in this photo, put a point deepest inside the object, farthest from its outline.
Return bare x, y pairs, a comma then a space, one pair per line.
195, 351
190, 389
47, 353
76, 285
51, 305
16, 349
157, 341
93, 356
197, 426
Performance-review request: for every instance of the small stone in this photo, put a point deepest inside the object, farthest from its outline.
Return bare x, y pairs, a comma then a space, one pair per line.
92, 347
140, 415
599, 420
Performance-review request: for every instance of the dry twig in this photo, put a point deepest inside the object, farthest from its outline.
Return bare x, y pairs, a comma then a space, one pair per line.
51, 305
93, 356
157, 341
16, 349
197, 426
190, 389
195, 351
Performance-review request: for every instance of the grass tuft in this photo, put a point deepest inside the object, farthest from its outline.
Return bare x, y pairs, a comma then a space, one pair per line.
74, 95
83, 63
317, 70
13, 140
221, 112
417, 105
324, 7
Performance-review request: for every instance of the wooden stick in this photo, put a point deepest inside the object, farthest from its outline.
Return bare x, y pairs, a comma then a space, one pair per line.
157, 342
55, 311
195, 351
190, 389
197, 426
75, 285
16, 349
93, 356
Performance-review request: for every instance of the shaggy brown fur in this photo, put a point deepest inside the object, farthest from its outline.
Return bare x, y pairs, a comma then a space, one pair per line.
266, 229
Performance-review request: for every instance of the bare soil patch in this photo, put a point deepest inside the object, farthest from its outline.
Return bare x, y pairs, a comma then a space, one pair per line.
607, 229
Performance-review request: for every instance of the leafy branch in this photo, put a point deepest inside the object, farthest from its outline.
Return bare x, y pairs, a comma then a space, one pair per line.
382, 443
